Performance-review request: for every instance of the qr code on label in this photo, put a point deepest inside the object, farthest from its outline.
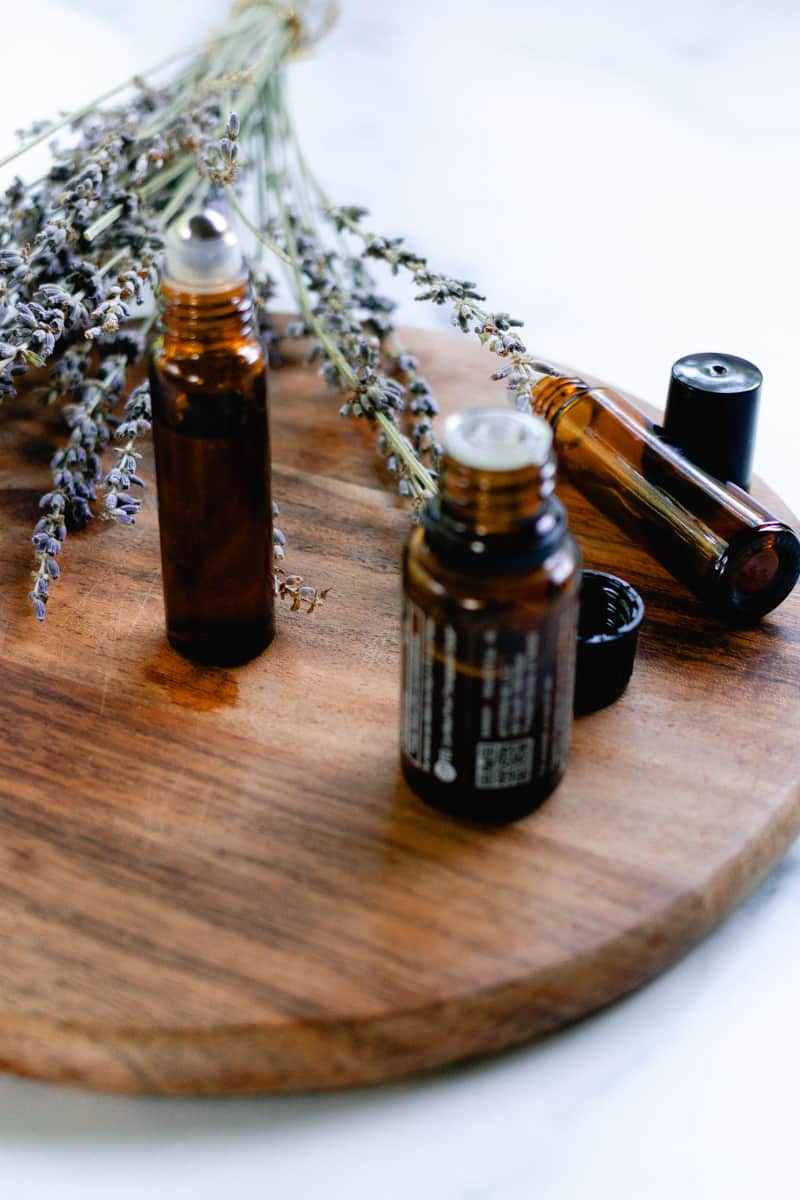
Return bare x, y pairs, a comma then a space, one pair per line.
504, 764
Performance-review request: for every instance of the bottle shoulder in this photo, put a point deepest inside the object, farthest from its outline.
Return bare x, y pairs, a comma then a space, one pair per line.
484, 586
204, 366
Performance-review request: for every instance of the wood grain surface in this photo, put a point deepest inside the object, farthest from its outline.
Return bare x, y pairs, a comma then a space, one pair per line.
216, 881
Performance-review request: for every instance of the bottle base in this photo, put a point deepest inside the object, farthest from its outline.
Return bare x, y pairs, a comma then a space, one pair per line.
226, 647
485, 807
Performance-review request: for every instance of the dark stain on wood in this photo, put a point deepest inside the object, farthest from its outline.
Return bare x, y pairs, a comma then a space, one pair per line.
190, 685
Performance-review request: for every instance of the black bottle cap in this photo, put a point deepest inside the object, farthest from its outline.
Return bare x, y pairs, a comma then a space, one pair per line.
711, 414
611, 612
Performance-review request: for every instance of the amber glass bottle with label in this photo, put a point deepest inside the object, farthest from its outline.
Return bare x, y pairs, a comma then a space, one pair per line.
491, 580
210, 431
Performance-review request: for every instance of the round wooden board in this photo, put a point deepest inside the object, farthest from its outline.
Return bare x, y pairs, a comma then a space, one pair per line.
216, 881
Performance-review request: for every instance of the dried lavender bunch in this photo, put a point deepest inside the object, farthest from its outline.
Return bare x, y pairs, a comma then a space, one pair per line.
80, 250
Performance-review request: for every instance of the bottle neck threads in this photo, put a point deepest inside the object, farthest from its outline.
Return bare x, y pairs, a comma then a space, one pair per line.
487, 502
209, 319
552, 392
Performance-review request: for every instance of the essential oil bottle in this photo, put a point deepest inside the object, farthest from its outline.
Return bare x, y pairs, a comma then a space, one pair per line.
491, 581
729, 549
210, 432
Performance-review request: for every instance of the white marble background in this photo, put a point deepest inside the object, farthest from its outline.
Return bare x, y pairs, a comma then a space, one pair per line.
625, 177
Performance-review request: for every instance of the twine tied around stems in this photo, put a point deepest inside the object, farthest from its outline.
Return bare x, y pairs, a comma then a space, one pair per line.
307, 21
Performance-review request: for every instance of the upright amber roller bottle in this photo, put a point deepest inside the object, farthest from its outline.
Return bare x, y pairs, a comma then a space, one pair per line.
714, 536
491, 581
210, 430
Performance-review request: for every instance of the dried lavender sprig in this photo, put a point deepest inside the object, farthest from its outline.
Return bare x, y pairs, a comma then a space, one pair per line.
76, 469
294, 589
119, 503
493, 329
278, 538
263, 288
351, 360
421, 406
376, 315
48, 535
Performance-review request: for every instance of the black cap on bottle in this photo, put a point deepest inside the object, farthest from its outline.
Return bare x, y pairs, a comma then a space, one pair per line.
611, 612
711, 414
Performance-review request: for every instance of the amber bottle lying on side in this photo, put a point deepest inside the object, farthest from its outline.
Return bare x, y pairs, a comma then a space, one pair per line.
729, 549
